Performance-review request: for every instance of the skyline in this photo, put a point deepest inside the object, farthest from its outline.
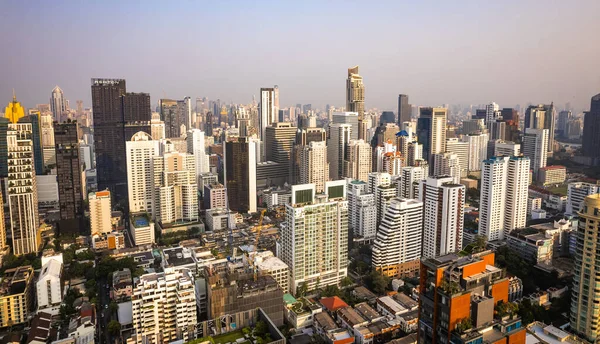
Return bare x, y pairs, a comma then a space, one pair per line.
470, 53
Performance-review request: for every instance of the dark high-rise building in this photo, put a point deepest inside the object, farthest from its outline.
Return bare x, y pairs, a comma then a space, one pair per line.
591, 129
38, 158
68, 168
563, 118
424, 129
109, 140
137, 113
117, 116
404, 109
208, 126
387, 117
172, 112
480, 114
3, 149
240, 174
541, 117
509, 114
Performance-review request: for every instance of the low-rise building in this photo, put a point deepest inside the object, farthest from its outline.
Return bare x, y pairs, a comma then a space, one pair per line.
180, 258
49, 287
141, 230
388, 306
531, 244
267, 264
551, 175
108, 241
16, 297
515, 289
122, 285
350, 318
301, 312
41, 329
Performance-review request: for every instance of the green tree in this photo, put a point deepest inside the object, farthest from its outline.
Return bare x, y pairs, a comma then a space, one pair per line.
302, 289
114, 327
113, 306
377, 282
331, 290
260, 329
347, 281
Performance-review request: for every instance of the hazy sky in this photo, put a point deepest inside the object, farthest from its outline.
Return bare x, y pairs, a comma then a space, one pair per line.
435, 51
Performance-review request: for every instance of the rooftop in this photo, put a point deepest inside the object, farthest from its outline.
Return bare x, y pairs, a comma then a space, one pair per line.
351, 316
367, 311
325, 321
333, 303
553, 167
178, 256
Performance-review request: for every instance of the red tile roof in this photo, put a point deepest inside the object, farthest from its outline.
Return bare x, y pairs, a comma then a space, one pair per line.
333, 303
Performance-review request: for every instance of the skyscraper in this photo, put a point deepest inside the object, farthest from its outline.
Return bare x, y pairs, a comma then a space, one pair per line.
164, 307
563, 119
109, 140
478, 146
461, 149
584, 297
535, 146
338, 138
404, 109
447, 164
58, 104
348, 118
431, 131
36, 139
398, 243
22, 189
314, 167
542, 116
240, 173
443, 223
48, 149
68, 167
315, 236
517, 187
279, 141
140, 151
591, 129
196, 146
355, 92
492, 112
357, 161
175, 188
268, 109
493, 198
100, 212
176, 116
362, 211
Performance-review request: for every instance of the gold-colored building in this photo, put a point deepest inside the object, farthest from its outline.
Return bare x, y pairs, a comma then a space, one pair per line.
16, 295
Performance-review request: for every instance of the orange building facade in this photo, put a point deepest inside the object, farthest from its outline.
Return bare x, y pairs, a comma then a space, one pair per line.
458, 296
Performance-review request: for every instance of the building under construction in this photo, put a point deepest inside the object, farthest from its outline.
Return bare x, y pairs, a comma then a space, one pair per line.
230, 293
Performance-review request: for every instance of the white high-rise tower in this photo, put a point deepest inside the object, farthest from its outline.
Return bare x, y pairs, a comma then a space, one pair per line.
517, 187
339, 136
493, 198
443, 202
58, 104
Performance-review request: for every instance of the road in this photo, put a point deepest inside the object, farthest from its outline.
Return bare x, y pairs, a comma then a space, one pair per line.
103, 312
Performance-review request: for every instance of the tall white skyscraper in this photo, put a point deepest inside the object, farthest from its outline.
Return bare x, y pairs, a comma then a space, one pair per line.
411, 177
461, 149
157, 127
268, 109
22, 189
357, 164
196, 146
492, 112
339, 136
535, 146
314, 168
355, 92
58, 104
397, 248
517, 187
362, 210
164, 307
348, 118
443, 223
100, 212
415, 153
314, 240
492, 200
175, 188
478, 145
447, 164
139, 153
507, 148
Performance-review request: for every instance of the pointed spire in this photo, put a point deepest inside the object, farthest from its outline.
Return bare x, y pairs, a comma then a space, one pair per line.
14, 95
